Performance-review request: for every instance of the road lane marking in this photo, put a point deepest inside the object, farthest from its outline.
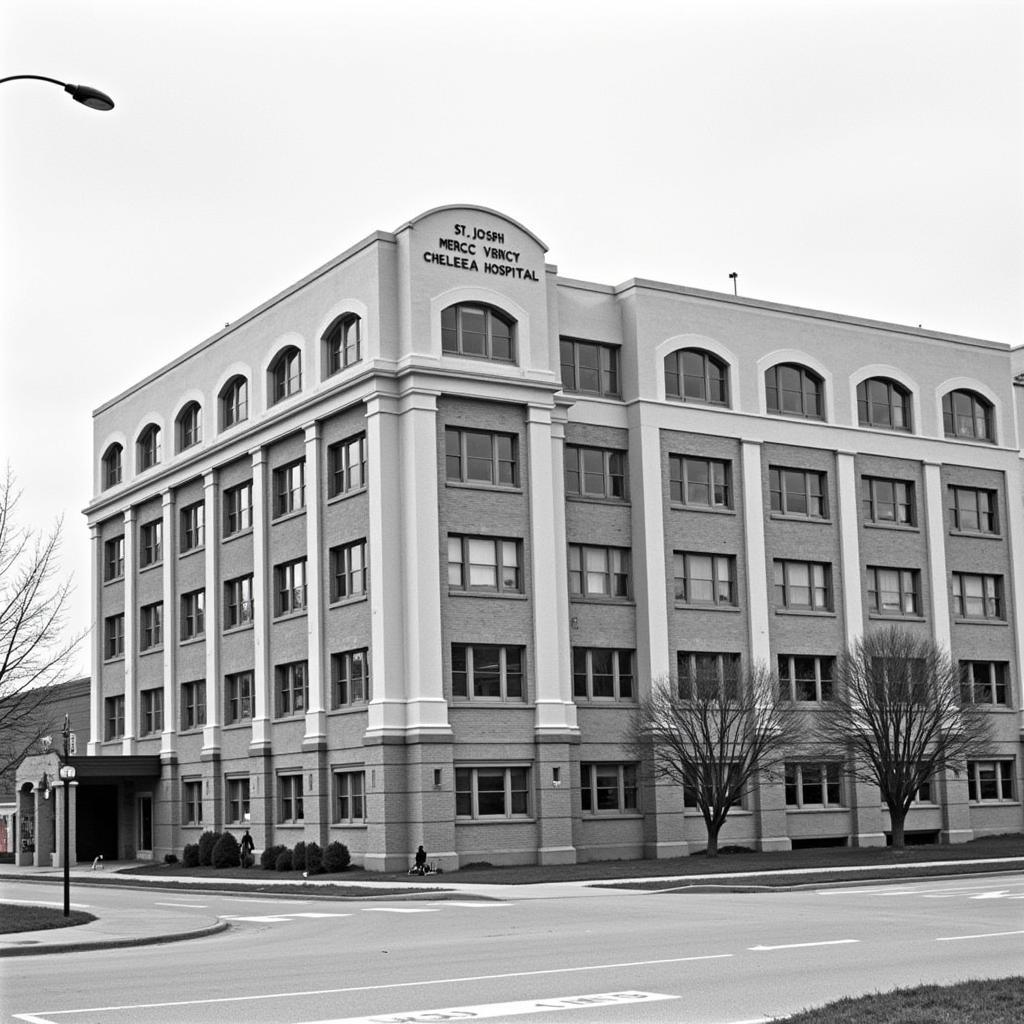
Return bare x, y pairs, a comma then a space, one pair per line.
256, 899
193, 906
400, 910
466, 903
266, 919
313, 913
986, 935
803, 945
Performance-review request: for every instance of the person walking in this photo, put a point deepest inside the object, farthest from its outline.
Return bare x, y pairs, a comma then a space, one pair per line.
421, 861
247, 847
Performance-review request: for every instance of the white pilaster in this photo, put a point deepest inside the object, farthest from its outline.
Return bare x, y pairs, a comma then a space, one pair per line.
935, 526
754, 550
98, 642
262, 598
849, 545
130, 639
211, 616
168, 738
316, 716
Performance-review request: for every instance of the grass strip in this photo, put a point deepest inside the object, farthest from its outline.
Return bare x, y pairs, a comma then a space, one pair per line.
18, 917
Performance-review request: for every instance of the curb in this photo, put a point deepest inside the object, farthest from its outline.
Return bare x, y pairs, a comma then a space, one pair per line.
82, 947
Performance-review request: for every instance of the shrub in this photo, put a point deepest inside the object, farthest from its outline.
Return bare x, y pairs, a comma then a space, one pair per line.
170, 858
207, 841
268, 859
226, 853
299, 857
284, 860
336, 857
314, 859
190, 855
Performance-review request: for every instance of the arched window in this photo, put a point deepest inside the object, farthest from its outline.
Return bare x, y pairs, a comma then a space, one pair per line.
113, 460
693, 375
477, 331
882, 402
966, 414
234, 402
189, 426
794, 390
286, 374
148, 447
342, 345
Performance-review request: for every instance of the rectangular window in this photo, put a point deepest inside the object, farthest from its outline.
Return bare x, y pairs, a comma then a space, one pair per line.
990, 780
193, 704
798, 492
290, 788
193, 614
292, 688
602, 673
803, 585
894, 591
888, 502
238, 802
487, 672
705, 579
349, 797
984, 682
239, 606
113, 637
290, 587
707, 675
481, 457
595, 472
192, 803
113, 717
349, 572
290, 488
813, 785
973, 510
486, 564
806, 677
193, 529
599, 572
151, 719
151, 543
346, 466
237, 509
700, 483
350, 678
113, 559
492, 792
609, 789
238, 695
590, 368
977, 597
151, 626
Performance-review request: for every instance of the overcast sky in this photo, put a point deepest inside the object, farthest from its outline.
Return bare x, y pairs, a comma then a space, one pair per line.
861, 157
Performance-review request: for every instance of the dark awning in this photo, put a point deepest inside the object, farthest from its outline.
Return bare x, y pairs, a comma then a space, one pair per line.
117, 767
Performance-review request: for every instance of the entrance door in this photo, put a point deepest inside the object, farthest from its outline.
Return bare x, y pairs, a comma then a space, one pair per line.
144, 816
97, 818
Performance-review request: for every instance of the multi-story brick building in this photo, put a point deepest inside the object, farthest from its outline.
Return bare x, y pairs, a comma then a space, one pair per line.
390, 559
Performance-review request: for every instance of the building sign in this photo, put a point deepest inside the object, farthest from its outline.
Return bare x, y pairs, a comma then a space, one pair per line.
480, 250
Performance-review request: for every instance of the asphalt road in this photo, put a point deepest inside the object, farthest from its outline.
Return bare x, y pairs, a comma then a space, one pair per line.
612, 958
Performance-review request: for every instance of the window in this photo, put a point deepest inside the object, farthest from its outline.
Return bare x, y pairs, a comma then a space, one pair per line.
793, 390
806, 677
883, 403
285, 375
234, 402
602, 673
151, 625
350, 678
152, 719
984, 682
290, 587
238, 802
190, 426
349, 574
487, 672
290, 787
595, 472
973, 510
346, 466
598, 572
112, 466
341, 344
803, 585
967, 415
894, 591
193, 607
798, 492
707, 675
349, 802
193, 532
238, 695
113, 559
290, 488
977, 597
480, 457
693, 375
477, 331
148, 448
485, 564
151, 546
990, 780
700, 483
292, 686
113, 636
813, 785
608, 789
590, 368
193, 704
705, 579
888, 501
113, 716
238, 602
237, 509
694, 787
492, 792
192, 803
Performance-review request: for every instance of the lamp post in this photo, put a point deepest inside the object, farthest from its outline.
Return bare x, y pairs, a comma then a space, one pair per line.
84, 94
67, 774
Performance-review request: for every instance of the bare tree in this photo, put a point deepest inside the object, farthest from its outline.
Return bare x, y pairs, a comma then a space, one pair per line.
714, 734
898, 710
35, 651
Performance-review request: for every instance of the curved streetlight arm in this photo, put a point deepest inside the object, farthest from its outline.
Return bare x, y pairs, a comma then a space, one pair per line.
84, 94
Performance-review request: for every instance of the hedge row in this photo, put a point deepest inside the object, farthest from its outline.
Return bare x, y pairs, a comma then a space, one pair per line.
221, 850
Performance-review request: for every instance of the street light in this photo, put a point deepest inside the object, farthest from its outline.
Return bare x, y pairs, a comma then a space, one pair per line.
67, 774
84, 94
